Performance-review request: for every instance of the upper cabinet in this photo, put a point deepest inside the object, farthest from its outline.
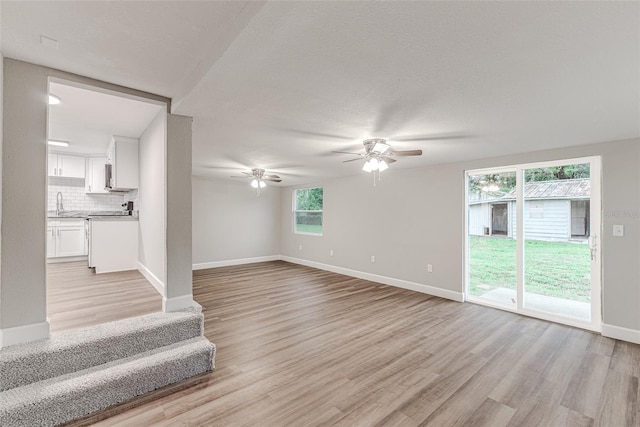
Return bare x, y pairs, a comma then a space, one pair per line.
122, 155
95, 182
67, 166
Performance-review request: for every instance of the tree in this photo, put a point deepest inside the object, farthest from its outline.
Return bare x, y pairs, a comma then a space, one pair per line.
309, 199
558, 173
506, 181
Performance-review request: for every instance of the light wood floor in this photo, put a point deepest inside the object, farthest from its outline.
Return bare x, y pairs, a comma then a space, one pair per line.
77, 297
298, 346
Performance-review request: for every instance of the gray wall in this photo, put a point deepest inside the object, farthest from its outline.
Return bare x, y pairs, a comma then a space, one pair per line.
416, 216
1, 135
23, 212
179, 276
152, 243
230, 222
24, 154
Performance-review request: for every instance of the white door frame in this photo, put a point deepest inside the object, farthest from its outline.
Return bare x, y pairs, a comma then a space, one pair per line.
595, 211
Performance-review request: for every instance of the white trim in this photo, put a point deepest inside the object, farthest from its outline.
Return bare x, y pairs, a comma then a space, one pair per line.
303, 233
595, 163
152, 278
66, 259
23, 334
178, 303
239, 261
549, 317
620, 333
418, 287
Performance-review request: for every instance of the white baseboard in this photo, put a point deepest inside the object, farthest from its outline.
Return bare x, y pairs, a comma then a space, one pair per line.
620, 333
22, 334
418, 287
66, 259
226, 263
152, 278
178, 303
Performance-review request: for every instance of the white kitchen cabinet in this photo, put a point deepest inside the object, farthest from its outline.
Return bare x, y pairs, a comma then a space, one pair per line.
51, 242
64, 165
113, 244
66, 238
95, 182
122, 155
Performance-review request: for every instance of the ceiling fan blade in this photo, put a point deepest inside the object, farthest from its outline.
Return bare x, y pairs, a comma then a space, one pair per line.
272, 179
406, 153
352, 160
270, 176
347, 152
387, 160
243, 177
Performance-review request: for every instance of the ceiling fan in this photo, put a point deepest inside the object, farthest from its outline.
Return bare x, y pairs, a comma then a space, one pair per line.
258, 178
378, 155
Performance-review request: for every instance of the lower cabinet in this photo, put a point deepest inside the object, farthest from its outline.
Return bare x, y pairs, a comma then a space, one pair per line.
113, 244
66, 238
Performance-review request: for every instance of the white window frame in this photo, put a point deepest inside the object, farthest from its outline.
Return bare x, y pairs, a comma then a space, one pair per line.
295, 211
596, 263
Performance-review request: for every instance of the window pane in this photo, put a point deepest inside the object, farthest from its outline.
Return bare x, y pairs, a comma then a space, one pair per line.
557, 256
492, 245
309, 199
309, 222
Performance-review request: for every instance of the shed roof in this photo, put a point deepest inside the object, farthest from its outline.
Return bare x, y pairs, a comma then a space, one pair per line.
560, 189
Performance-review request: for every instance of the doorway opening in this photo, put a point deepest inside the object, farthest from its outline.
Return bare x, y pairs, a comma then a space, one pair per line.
499, 219
541, 257
92, 274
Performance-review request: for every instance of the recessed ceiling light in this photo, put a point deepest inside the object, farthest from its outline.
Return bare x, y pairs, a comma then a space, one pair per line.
58, 143
54, 100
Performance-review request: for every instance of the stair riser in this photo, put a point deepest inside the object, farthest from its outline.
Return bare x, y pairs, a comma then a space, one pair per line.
93, 351
65, 400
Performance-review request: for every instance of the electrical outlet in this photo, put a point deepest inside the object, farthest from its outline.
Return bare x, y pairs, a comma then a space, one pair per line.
373, 258
300, 247
618, 230
331, 252
430, 268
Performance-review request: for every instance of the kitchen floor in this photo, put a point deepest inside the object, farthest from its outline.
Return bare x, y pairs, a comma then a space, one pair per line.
77, 297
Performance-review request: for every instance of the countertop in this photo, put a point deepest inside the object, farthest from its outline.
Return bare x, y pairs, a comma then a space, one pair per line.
102, 215
113, 218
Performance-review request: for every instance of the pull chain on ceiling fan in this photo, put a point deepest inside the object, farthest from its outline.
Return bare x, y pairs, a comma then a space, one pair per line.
259, 177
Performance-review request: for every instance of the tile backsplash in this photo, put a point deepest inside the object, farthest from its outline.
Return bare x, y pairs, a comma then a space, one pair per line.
74, 197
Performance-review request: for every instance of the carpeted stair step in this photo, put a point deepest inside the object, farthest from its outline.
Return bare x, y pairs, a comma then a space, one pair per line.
62, 399
79, 349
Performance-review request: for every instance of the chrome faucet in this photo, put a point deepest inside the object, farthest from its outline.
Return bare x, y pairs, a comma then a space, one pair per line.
59, 207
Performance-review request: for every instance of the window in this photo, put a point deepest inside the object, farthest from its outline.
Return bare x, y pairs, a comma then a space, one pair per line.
307, 208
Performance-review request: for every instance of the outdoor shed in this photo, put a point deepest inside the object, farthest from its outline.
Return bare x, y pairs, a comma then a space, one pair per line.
553, 211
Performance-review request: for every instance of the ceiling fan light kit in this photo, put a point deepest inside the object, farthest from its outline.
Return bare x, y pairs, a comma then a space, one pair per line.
258, 178
255, 183
378, 155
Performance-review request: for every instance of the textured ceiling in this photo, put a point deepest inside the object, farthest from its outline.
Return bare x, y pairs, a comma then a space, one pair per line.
279, 85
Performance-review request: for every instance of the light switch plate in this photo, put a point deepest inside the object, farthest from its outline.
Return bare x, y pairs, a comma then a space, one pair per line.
618, 230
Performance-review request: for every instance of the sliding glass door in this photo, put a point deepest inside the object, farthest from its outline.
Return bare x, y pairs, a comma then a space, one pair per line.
532, 240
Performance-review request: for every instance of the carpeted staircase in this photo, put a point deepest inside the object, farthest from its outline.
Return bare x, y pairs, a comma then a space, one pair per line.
78, 372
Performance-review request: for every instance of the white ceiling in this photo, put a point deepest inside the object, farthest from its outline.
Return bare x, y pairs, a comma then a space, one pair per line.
88, 119
279, 85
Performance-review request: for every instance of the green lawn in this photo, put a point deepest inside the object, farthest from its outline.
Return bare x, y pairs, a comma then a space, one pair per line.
309, 228
555, 269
